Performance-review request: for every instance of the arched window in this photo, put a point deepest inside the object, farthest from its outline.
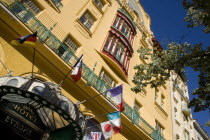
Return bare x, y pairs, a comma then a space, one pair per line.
38, 90
12, 82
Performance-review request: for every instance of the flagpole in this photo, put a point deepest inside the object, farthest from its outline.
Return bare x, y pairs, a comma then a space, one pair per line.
68, 73
33, 61
64, 78
100, 115
78, 103
8, 71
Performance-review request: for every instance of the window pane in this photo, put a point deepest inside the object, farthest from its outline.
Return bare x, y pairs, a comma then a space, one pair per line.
12, 82
112, 46
38, 90
116, 22
32, 6
72, 44
107, 44
87, 20
105, 76
99, 3
125, 29
119, 52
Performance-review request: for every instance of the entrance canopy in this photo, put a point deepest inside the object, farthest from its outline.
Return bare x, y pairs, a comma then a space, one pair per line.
30, 100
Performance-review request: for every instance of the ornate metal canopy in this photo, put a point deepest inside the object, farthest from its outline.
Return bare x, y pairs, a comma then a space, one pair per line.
31, 97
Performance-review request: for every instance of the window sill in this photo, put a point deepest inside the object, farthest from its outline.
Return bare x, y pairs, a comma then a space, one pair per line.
99, 9
84, 28
160, 110
54, 6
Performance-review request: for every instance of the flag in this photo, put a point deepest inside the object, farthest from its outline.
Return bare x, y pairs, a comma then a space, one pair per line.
95, 135
106, 129
77, 72
114, 119
28, 40
117, 95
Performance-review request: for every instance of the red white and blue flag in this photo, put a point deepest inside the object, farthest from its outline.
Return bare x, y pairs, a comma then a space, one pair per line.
95, 135
77, 72
115, 121
117, 95
28, 40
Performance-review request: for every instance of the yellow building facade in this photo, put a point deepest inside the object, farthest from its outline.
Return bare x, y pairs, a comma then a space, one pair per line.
108, 33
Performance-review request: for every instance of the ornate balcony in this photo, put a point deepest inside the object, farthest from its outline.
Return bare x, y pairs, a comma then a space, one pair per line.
186, 111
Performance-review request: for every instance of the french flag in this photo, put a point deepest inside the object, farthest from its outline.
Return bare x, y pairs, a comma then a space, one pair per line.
77, 72
117, 95
114, 119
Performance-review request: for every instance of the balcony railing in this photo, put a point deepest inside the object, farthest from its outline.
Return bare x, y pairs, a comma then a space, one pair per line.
186, 111
46, 36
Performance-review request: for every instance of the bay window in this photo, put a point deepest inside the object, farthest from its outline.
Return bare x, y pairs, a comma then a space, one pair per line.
116, 22
108, 42
118, 45
123, 27
117, 49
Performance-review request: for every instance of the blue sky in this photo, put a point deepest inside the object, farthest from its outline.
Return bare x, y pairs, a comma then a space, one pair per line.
168, 25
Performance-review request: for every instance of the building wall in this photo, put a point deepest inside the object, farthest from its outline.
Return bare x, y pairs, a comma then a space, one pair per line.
200, 134
181, 114
65, 22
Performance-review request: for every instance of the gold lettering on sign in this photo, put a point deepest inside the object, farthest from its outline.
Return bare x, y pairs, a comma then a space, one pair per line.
18, 126
27, 112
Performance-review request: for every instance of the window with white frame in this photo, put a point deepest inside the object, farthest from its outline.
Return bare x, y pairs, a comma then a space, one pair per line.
87, 20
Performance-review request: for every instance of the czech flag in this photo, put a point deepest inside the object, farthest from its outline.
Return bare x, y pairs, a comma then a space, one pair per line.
117, 95
114, 119
77, 72
28, 40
